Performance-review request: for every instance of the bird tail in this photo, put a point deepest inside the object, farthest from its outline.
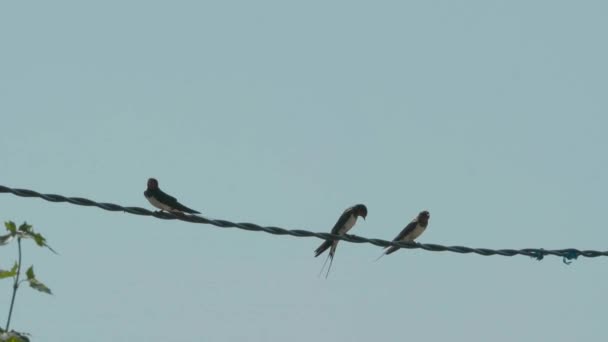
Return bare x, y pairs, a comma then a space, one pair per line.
331, 261
387, 251
381, 255
391, 249
323, 247
330, 257
325, 263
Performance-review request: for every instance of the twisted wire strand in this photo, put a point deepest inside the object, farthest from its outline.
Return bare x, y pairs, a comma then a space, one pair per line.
537, 253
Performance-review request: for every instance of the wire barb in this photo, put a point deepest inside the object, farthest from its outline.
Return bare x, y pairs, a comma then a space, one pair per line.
538, 253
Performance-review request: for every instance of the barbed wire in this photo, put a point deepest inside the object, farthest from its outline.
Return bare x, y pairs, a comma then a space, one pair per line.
537, 253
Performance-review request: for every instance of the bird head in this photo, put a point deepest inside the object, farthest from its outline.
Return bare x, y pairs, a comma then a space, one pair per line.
152, 183
424, 217
361, 210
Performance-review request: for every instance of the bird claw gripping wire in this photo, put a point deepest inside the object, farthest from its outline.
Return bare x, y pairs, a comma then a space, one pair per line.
570, 255
540, 254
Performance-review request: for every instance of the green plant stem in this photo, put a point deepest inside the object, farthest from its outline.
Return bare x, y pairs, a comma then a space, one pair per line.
15, 286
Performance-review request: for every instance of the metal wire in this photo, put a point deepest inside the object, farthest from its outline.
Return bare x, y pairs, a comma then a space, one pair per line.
537, 253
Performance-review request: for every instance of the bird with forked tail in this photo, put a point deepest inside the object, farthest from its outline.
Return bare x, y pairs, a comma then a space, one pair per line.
345, 223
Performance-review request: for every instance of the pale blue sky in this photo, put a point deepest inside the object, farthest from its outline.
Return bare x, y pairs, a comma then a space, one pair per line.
490, 114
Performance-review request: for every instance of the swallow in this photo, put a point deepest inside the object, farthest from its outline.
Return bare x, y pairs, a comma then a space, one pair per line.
345, 223
162, 201
413, 230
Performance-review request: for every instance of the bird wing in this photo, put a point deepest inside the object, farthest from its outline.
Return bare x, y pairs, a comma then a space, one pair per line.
183, 208
335, 230
342, 221
407, 230
165, 198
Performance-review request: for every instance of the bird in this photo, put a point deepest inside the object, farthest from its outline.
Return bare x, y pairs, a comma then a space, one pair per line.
162, 201
413, 230
346, 221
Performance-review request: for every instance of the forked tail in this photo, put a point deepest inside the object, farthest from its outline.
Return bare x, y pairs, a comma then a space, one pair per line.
322, 268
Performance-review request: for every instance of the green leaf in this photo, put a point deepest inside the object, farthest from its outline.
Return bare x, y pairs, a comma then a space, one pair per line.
5, 239
24, 227
36, 284
49, 247
40, 240
7, 274
13, 336
30, 273
10, 226
11, 273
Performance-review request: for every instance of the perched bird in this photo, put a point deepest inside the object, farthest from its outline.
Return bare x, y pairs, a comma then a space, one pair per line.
413, 230
346, 221
162, 201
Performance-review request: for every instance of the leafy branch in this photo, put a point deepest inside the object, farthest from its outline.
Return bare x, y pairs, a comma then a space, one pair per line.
24, 231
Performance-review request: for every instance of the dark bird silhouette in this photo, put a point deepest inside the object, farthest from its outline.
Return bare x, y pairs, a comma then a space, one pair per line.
346, 221
413, 230
162, 201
